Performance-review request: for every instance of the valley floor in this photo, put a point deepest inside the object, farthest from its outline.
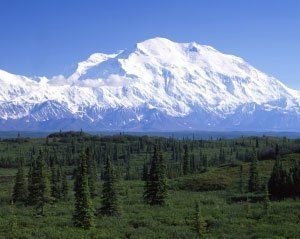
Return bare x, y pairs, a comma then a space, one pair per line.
217, 181
221, 219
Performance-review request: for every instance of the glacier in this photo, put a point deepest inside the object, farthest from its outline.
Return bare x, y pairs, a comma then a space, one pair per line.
156, 85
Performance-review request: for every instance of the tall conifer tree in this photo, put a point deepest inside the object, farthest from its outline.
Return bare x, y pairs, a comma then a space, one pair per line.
185, 163
109, 200
20, 189
253, 183
44, 196
84, 213
296, 179
277, 182
156, 184
64, 187
39, 184
92, 172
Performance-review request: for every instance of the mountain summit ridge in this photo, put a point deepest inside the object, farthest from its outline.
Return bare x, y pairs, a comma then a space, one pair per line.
156, 85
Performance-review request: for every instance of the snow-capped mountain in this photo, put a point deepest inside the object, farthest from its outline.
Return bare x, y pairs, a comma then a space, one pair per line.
158, 85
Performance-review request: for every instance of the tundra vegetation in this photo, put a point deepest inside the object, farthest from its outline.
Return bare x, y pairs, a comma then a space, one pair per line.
77, 185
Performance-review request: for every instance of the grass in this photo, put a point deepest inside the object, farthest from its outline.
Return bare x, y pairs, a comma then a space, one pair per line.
175, 220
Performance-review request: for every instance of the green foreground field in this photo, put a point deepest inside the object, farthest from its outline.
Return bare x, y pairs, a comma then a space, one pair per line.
175, 220
227, 209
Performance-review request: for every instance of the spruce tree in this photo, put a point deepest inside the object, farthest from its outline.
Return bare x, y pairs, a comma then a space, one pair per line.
156, 184
289, 188
43, 196
20, 189
222, 157
84, 213
56, 183
253, 183
39, 184
205, 162
32, 183
109, 199
145, 172
92, 172
185, 163
53, 182
296, 179
256, 143
127, 174
64, 187
193, 167
241, 181
277, 182
277, 150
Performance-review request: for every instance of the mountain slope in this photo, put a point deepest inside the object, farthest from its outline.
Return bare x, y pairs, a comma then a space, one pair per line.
156, 85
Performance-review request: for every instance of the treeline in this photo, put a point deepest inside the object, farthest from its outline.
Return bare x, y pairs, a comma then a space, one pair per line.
202, 153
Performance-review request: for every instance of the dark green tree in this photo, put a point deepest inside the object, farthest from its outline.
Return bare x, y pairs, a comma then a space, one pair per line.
193, 167
277, 184
56, 182
256, 143
109, 200
20, 189
84, 212
296, 179
253, 183
156, 184
39, 184
186, 160
44, 196
115, 153
222, 157
145, 172
64, 186
127, 173
32, 181
92, 172
277, 149
241, 180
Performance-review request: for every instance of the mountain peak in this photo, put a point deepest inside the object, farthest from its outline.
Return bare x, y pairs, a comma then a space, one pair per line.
157, 84
161, 42
157, 41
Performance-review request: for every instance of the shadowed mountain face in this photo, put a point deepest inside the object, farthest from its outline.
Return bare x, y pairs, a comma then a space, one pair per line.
158, 85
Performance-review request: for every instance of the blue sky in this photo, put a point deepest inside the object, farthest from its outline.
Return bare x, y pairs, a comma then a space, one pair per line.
43, 37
